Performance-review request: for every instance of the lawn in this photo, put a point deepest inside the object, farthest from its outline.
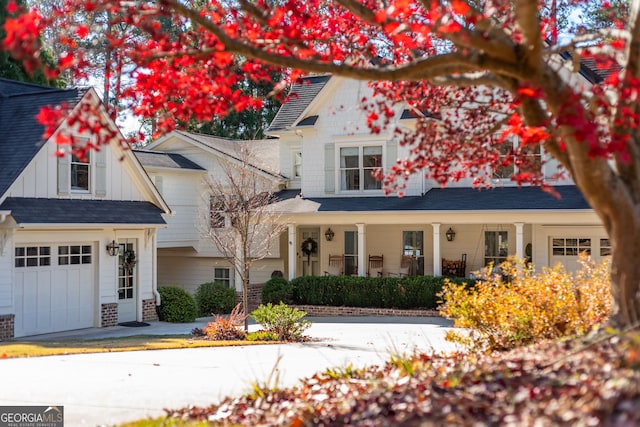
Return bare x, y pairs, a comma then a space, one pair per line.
133, 343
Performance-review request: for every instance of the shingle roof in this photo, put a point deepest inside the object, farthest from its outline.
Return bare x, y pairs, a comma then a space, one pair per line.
461, 199
20, 133
265, 154
301, 95
165, 160
78, 211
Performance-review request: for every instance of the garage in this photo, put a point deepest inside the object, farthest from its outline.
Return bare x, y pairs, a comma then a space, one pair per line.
55, 287
566, 250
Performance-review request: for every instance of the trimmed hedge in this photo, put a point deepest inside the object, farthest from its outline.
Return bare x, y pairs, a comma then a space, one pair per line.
177, 305
277, 290
374, 292
215, 298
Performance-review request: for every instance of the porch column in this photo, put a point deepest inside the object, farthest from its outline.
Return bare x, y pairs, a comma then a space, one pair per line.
362, 248
291, 251
437, 262
519, 239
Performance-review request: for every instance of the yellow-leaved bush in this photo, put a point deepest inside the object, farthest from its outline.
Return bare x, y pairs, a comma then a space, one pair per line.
520, 306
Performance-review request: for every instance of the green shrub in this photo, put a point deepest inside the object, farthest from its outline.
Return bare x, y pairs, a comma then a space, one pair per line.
376, 292
284, 321
177, 306
277, 290
227, 328
262, 336
215, 298
501, 315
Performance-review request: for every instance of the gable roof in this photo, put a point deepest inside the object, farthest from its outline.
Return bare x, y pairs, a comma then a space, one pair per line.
158, 159
300, 97
460, 199
20, 132
264, 153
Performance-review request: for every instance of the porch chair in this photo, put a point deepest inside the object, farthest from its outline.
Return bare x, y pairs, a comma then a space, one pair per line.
454, 268
336, 265
375, 265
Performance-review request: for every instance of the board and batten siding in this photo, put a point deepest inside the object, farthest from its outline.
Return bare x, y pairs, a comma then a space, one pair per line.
111, 178
6, 272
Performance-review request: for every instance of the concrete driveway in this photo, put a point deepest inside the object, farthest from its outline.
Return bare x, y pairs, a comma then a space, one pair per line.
110, 388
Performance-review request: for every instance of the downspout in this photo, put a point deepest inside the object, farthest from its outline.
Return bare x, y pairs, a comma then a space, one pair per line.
154, 270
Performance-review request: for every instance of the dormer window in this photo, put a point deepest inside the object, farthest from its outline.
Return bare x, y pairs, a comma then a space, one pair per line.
80, 172
357, 165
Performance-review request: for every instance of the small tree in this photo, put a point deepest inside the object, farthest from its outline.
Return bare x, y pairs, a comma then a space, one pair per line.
242, 222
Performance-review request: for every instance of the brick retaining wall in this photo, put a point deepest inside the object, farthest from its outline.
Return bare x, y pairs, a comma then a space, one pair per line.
109, 315
255, 296
149, 312
7, 324
328, 311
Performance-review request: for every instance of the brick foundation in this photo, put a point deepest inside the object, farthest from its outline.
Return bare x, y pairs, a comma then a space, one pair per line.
327, 311
109, 315
254, 294
149, 312
7, 323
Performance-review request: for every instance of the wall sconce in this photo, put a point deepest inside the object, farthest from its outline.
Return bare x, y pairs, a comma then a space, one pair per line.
450, 234
113, 248
329, 234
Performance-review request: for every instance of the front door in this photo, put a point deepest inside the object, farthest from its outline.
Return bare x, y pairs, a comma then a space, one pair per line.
309, 259
127, 281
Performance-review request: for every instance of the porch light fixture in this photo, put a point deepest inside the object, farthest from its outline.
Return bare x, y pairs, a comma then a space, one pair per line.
450, 234
329, 234
113, 248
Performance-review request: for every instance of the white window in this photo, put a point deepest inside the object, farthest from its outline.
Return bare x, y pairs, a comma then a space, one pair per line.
80, 172
496, 247
222, 275
74, 254
570, 246
32, 256
297, 165
350, 253
413, 247
605, 247
357, 165
531, 155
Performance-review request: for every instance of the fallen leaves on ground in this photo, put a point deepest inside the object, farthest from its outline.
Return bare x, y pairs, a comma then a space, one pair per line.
593, 381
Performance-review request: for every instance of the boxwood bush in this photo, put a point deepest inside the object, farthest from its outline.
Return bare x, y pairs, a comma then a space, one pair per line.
215, 298
277, 290
177, 305
376, 292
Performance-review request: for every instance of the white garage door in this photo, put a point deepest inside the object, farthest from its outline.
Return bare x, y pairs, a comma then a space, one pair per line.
55, 287
565, 250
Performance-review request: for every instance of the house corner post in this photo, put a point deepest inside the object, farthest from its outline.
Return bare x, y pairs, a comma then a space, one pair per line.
437, 262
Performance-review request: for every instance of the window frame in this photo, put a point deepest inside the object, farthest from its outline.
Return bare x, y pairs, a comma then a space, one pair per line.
506, 151
42, 256
498, 257
296, 167
362, 169
415, 249
571, 248
223, 280
350, 252
75, 163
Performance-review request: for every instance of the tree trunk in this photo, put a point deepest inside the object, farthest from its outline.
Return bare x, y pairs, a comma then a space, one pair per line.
625, 274
245, 301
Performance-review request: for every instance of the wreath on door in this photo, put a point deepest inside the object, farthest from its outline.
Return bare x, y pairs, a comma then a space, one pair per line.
129, 261
309, 246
